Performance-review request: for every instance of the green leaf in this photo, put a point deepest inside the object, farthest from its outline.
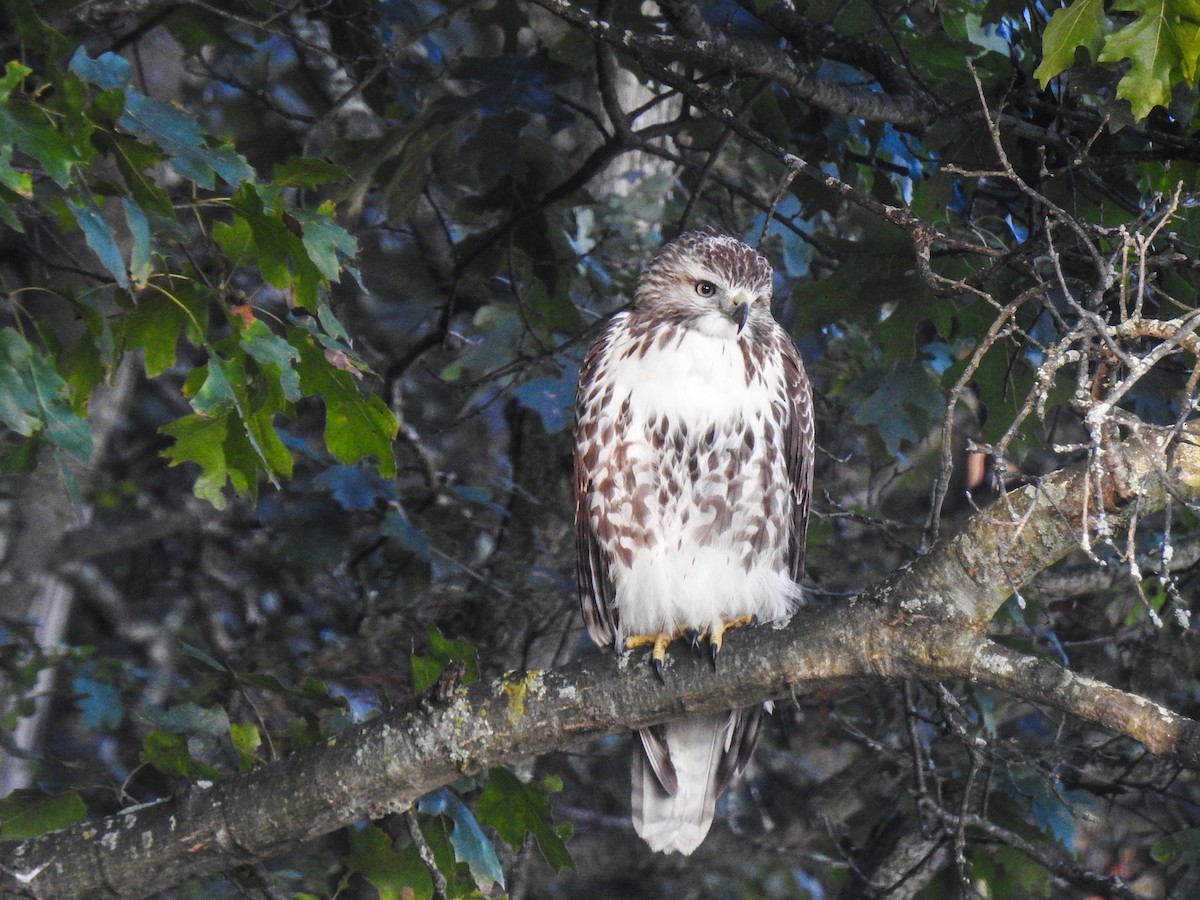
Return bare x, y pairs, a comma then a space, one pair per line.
470, 844
18, 398
1162, 48
141, 262
196, 28
503, 333
394, 875
231, 441
188, 718
34, 398
1010, 874
216, 396
176, 132
852, 289
14, 74
334, 336
425, 671
42, 142
246, 740
398, 170
306, 172
18, 182
135, 159
324, 239
285, 254
456, 650
1079, 25
460, 884
274, 244
154, 323
201, 439
356, 424
28, 813
400, 528
180, 137
203, 661
86, 364
99, 702
896, 334
234, 238
276, 459
169, 754
223, 388
900, 405
108, 71
1185, 844
100, 238
275, 355
1147, 44
515, 809
553, 311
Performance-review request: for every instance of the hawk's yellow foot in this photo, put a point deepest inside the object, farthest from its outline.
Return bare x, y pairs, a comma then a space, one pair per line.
716, 635
660, 641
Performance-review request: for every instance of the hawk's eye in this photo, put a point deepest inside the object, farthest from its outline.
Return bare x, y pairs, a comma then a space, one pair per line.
705, 288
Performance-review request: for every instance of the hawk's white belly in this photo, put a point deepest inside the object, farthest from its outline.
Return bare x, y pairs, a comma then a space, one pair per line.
696, 492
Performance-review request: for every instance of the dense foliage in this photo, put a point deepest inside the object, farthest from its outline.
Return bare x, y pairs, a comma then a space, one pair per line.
292, 301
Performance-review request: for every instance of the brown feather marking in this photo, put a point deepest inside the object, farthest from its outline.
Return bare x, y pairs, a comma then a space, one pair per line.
750, 360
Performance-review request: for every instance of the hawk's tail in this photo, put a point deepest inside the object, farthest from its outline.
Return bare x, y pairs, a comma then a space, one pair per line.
680, 770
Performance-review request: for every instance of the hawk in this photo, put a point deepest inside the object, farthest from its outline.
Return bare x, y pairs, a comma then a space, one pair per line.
693, 478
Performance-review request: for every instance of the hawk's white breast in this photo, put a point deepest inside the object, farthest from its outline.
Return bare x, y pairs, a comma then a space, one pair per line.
695, 490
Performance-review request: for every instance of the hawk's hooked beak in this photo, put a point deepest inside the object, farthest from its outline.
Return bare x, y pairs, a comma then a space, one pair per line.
741, 310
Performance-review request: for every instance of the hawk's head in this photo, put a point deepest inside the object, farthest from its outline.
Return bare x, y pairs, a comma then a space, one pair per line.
707, 281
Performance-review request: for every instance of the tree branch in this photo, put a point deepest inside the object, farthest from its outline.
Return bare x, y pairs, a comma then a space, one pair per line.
923, 621
704, 44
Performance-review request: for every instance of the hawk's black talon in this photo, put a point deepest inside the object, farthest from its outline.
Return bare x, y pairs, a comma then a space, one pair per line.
658, 670
693, 635
714, 651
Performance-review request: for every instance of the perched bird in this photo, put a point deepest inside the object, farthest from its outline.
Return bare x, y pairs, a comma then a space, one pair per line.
693, 478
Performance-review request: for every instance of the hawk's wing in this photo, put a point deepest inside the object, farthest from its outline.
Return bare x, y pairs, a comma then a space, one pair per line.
799, 434
596, 592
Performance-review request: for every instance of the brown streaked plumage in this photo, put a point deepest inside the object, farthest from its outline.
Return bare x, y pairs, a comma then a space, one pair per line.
693, 479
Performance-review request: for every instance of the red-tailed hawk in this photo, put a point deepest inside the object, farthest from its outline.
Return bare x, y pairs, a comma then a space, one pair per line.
693, 475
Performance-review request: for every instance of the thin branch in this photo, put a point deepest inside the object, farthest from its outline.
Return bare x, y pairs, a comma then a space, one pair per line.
426, 853
704, 44
1064, 869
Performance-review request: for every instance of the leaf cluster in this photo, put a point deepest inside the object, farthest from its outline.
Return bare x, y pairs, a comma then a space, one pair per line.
168, 271
1159, 41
